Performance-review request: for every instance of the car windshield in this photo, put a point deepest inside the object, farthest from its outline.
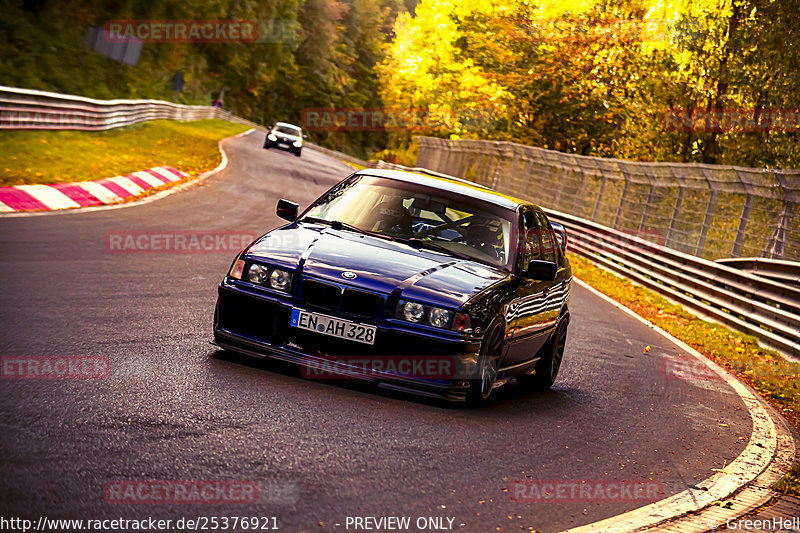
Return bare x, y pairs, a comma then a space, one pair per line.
289, 130
423, 216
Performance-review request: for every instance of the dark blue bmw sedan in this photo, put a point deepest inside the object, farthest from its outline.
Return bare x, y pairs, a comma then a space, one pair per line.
414, 282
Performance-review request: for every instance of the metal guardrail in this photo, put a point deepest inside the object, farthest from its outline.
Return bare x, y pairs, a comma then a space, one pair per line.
25, 109
710, 211
756, 305
785, 271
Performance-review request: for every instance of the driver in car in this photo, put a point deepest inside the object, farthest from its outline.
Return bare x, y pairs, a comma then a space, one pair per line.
486, 235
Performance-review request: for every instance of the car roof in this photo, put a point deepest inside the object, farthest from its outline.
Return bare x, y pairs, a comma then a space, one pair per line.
287, 124
454, 185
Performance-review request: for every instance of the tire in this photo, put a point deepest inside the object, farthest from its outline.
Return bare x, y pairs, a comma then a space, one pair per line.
480, 387
297, 152
548, 366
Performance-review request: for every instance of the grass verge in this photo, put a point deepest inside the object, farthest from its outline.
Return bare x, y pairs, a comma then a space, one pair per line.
775, 378
30, 157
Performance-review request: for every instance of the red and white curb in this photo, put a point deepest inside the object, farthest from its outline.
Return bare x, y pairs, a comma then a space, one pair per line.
87, 193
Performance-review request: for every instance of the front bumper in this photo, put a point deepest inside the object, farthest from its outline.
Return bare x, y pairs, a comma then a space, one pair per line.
257, 324
282, 145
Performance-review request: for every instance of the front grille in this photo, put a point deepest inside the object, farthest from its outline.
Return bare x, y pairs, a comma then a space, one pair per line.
252, 317
321, 295
360, 303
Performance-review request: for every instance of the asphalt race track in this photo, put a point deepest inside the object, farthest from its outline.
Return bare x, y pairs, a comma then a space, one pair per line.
174, 408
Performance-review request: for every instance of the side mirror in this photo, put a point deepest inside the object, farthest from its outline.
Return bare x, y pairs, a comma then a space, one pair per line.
305, 136
541, 270
287, 210
561, 235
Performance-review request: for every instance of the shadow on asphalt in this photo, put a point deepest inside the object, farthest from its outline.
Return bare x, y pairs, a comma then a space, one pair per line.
510, 399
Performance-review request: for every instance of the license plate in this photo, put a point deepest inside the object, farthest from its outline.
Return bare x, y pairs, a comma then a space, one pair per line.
334, 327
283, 145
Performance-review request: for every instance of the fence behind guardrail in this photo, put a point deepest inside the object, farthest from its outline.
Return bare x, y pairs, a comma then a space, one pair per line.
709, 211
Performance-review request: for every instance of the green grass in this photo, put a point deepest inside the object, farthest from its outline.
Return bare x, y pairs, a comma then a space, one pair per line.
790, 484
65, 156
775, 378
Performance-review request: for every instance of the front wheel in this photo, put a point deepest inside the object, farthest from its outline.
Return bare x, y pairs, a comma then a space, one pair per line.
297, 152
480, 387
548, 366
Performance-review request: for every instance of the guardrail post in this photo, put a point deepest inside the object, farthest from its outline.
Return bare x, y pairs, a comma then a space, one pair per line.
650, 197
621, 205
599, 197
779, 242
737, 245
450, 156
675, 212
701, 241
503, 157
562, 181
423, 148
579, 191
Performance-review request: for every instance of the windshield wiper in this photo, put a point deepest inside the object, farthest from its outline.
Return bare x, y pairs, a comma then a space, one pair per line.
335, 224
432, 245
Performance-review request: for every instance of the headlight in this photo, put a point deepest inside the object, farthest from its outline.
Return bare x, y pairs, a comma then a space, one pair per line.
280, 280
237, 269
413, 312
439, 317
298, 143
257, 274
272, 137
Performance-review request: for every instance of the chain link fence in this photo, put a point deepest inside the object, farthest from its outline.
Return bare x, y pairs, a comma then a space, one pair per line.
710, 211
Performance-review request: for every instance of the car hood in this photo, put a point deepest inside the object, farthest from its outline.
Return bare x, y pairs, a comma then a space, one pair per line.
379, 264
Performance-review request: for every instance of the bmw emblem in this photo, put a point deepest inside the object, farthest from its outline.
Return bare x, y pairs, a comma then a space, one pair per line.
349, 274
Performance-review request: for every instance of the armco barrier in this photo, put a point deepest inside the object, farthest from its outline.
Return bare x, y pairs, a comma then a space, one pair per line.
25, 109
785, 271
759, 306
